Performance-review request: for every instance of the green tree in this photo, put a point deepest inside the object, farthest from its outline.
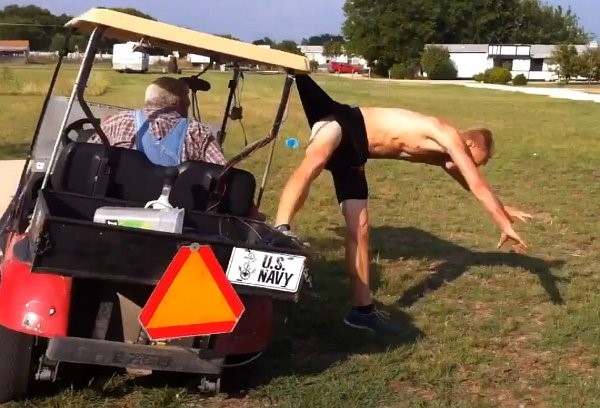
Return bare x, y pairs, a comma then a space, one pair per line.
288, 46
57, 43
566, 59
333, 48
32, 23
589, 64
436, 62
385, 32
545, 24
264, 41
434, 56
479, 21
42, 28
321, 39
389, 31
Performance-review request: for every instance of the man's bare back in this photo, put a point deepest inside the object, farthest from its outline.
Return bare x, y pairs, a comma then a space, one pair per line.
395, 133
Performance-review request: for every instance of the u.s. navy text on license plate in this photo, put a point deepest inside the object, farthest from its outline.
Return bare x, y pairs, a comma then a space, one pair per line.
267, 270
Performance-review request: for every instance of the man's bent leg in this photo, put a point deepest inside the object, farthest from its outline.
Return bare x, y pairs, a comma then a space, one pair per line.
325, 138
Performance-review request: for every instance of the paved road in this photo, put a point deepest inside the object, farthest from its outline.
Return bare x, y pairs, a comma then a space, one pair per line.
553, 92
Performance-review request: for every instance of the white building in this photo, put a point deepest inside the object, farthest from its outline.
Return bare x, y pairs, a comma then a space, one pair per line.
531, 60
315, 53
469, 59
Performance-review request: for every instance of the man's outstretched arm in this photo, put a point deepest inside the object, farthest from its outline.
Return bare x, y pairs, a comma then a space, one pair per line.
450, 140
453, 171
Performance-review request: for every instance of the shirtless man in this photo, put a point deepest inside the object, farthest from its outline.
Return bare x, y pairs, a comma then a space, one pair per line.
342, 140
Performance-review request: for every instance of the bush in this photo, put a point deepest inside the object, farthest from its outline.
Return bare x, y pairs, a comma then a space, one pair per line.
433, 56
497, 75
314, 66
437, 64
519, 80
479, 77
398, 71
443, 70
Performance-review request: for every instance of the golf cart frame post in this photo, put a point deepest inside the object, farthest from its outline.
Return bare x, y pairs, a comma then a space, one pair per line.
77, 92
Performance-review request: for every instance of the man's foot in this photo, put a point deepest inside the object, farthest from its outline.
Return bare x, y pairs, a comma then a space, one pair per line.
285, 230
375, 321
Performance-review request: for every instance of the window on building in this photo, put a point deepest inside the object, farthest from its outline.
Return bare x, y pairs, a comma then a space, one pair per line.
537, 64
503, 62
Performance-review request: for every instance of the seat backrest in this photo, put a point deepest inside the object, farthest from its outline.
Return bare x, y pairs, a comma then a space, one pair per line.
131, 176
191, 188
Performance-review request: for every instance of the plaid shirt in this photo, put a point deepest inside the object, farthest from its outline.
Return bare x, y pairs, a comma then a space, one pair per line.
199, 144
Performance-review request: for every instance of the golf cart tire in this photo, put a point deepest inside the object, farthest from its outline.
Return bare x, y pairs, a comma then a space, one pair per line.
15, 363
210, 386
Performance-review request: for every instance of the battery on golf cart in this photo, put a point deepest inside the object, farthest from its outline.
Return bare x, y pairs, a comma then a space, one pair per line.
164, 219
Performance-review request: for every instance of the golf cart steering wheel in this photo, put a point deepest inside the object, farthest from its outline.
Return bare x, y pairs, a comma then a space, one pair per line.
83, 135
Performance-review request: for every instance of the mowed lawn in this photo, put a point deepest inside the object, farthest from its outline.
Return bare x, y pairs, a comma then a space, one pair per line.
482, 327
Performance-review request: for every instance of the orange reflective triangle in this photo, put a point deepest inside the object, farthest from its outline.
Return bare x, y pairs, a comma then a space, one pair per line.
193, 298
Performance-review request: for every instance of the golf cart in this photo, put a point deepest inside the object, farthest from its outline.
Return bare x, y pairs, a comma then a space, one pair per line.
111, 260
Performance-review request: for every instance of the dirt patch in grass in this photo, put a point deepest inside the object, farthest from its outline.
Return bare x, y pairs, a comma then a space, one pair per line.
420, 391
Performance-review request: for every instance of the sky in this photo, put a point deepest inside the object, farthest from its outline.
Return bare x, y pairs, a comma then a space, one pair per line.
250, 20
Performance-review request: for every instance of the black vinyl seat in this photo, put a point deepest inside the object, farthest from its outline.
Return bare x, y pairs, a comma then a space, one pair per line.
196, 180
127, 174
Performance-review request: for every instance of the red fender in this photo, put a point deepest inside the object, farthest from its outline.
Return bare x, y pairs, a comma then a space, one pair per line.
253, 331
32, 303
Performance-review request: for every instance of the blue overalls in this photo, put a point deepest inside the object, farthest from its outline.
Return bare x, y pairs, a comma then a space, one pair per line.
167, 151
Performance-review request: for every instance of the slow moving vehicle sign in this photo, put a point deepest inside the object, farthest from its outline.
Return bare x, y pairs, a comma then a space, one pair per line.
193, 298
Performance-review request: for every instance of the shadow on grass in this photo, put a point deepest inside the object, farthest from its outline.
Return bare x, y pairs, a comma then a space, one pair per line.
315, 339
393, 243
312, 336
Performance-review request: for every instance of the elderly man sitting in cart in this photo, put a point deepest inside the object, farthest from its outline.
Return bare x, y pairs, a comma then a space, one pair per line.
162, 130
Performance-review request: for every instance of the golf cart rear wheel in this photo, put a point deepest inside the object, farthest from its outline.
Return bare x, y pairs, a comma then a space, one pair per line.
210, 385
15, 363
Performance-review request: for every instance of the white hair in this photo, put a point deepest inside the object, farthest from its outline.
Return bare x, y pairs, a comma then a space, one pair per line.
166, 91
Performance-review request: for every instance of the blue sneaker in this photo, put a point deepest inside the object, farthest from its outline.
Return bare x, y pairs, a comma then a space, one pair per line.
374, 321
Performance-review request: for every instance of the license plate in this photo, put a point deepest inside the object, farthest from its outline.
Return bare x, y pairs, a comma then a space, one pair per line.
260, 269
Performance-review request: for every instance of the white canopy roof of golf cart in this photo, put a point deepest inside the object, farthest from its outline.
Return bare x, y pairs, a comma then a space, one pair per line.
126, 27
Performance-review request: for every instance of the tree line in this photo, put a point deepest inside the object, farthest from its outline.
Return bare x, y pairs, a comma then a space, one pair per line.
46, 32
571, 64
389, 32
386, 33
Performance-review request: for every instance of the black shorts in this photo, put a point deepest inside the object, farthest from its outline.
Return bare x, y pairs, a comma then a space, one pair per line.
350, 183
347, 163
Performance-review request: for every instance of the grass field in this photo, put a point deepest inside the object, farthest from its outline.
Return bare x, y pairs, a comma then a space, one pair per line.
482, 327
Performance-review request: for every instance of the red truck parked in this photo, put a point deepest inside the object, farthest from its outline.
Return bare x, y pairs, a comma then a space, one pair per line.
344, 68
